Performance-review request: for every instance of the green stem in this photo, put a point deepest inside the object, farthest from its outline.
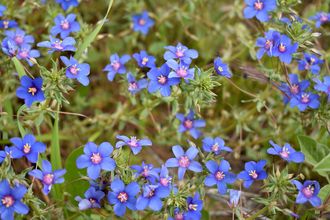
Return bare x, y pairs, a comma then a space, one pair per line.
260, 212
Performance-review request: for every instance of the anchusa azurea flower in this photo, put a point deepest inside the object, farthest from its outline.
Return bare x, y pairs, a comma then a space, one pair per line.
92, 199
259, 9
253, 171
180, 52
96, 158
160, 81
320, 18
189, 123
234, 196
122, 196
134, 143
323, 86
305, 100
221, 68
311, 63
66, 4
76, 70
184, 160
67, 44
142, 22
216, 145
30, 90
195, 206
286, 153
293, 88
65, 25
117, 65
308, 192
135, 86
219, 175
11, 200
151, 197
180, 70
6, 24
284, 49
143, 59
146, 171
47, 176
27, 147
267, 44
19, 37
25, 52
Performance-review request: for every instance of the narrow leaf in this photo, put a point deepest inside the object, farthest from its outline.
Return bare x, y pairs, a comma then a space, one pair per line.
19, 67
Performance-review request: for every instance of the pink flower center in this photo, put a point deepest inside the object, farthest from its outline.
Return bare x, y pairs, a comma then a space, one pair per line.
164, 181
184, 162
145, 171
65, 25
162, 79
122, 197
188, 123
5, 24
258, 5
192, 207
145, 60
96, 158
219, 175
8, 201
282, 48
178, 216
58, 45
26, 148
133, 86
151, 193
24, 54
142, 22
285, 152
253, 174
268, 44
323, 18
32, 90
179, 53
74, 69
19, 39
305, 98
312, 61
48, 179
133, 142
215, 147
92, 200
182, 71
116, 65
308, 191
294, 89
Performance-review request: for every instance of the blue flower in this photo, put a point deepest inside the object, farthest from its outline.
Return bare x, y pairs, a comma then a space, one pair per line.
3, 155
310, 62
180, 70
9, 47
30, 90
159, 80
286, 152
293, 88
181, 52
165, 180
6, 24
2, 9
117, 65
195, 206
76, 70
216, 145
47, 176
96, 158
65, 25
189, 123
320, 18
184, 160
323, 86
65, 4
221, 68
144, 60
67, 44
27, 147
178, 215
284, 49
304, 100
234, 196
146, 171
266, 44
134, 86
259, 9
134, 143
25, 53
123, 196
142, 22
151, 197
92, 199
253, 171
219, 175
19, 38
308, 192
11, 200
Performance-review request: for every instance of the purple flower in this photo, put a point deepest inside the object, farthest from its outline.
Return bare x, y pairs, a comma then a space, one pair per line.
134, 143
165, 180
96, 158
184, 160
30, 90
11, 200
216, 145
6, 24
178, 215
304, 100
189, 123
259, 9
2, 9
159, 80
151, 197
19, 38
320, 18
117, 65
310, 62
65, 25
135, 86
67, 44
234, 196
47, 176
294, 88
323, 86
142, 22
219, 175
9, 47
25, 53
253, 171
266, 44
181, 52
286, 152
92, 199
308, 192
144, 60
66, 4
284, 49
123, 196
195, 206
3, 155
76, 70
146, 171
221, 68
180, 70
27, 147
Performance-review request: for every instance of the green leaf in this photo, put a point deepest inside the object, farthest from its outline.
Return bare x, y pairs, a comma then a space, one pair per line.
313, 151
324, 164
205, 215
324, 192
20, 127
90, 38
19, 67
